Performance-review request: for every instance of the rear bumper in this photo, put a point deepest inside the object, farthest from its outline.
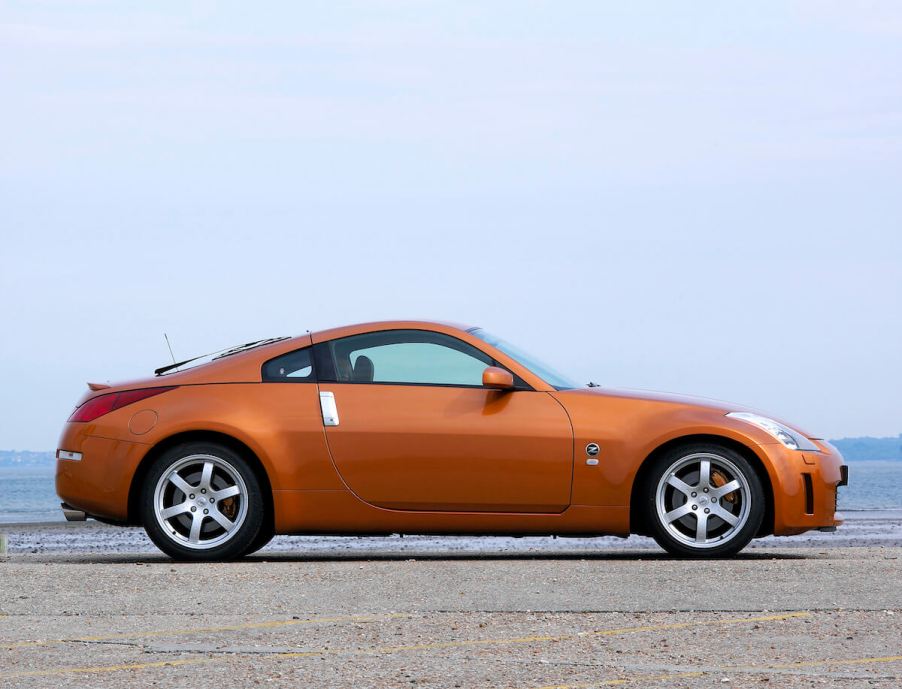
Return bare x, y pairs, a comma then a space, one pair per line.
98, 483
71, 514
805, 490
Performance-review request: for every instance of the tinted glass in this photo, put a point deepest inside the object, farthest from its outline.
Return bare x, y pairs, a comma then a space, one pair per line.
407, 356
294, 367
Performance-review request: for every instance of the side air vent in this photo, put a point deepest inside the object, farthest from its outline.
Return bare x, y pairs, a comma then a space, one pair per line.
809, 494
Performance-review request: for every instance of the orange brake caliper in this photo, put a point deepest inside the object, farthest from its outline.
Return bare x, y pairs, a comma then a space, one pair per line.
718, 479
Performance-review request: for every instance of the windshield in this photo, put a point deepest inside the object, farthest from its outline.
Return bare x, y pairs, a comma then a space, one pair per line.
546, 373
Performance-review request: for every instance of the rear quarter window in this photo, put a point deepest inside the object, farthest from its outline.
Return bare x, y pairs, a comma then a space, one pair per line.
294, 367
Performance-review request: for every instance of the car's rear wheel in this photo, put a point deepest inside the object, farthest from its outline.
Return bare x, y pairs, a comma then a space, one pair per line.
202, 501
703, 500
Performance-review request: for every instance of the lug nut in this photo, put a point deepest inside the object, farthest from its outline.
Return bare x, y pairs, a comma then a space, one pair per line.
713, 500
193, 508
206, 511
212, 499
706, 510
695, 507
694, 494
706, 490
203, 490
191, 496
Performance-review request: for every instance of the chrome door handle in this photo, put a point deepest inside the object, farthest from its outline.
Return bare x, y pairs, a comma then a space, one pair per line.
327, 406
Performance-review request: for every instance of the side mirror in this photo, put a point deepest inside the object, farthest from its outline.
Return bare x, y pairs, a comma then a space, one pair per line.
497, 378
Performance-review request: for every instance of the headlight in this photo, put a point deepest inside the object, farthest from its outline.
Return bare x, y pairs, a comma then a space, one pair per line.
790, 438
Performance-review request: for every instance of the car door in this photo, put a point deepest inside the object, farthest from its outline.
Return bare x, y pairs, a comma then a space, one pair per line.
410, 427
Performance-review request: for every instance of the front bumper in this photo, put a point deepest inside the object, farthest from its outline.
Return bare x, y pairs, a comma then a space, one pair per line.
844, 472
805, 488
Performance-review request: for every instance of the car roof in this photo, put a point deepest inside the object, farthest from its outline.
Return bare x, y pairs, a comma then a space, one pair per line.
375, 326
244, 365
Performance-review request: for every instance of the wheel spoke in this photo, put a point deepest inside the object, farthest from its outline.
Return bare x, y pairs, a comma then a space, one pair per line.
673, 515
725, 489
715, 491
180, 483
704, 473
196, 523
175, 510
727, 516
206, 475
222, 520
191, 491
701, 527
680, 485
226, 493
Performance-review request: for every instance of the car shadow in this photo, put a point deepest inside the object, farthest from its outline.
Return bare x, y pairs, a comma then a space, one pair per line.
626, 556
405, 556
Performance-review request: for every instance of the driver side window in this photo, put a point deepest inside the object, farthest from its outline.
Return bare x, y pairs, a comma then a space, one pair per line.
415, 357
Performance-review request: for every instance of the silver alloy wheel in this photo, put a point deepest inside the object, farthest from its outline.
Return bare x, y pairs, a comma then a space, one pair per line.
703, 500
200, 502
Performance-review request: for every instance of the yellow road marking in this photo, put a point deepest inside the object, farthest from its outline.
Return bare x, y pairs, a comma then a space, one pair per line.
827, 662
107, 668
821, 663
587, 685
684, 625
625, 680
438, 645
272, 624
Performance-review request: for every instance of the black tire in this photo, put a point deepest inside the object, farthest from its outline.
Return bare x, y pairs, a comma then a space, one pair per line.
684, 516
197, 530
264, 536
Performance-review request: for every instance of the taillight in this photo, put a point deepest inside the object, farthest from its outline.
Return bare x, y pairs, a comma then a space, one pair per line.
98, 406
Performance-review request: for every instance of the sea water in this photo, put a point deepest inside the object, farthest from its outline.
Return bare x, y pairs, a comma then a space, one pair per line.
27, 494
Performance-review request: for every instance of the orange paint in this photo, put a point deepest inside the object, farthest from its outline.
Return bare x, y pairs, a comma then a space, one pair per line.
421, 458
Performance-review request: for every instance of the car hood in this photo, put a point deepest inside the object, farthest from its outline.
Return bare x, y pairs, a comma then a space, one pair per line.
719, 407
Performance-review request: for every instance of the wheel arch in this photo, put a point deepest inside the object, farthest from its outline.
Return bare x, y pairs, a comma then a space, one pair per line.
638, 523
218, 437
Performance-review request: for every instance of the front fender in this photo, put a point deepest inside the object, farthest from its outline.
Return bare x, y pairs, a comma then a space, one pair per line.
630, 430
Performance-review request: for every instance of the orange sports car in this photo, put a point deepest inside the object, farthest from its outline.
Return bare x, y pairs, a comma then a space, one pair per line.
428, 428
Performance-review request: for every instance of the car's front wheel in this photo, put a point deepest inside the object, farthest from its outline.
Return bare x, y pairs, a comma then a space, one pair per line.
202, 501
703, 500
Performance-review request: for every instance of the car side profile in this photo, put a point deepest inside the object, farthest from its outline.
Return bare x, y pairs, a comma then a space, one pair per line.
420, 427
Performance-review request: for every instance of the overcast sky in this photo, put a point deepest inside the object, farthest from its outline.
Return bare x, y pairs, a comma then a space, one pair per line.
694, 197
